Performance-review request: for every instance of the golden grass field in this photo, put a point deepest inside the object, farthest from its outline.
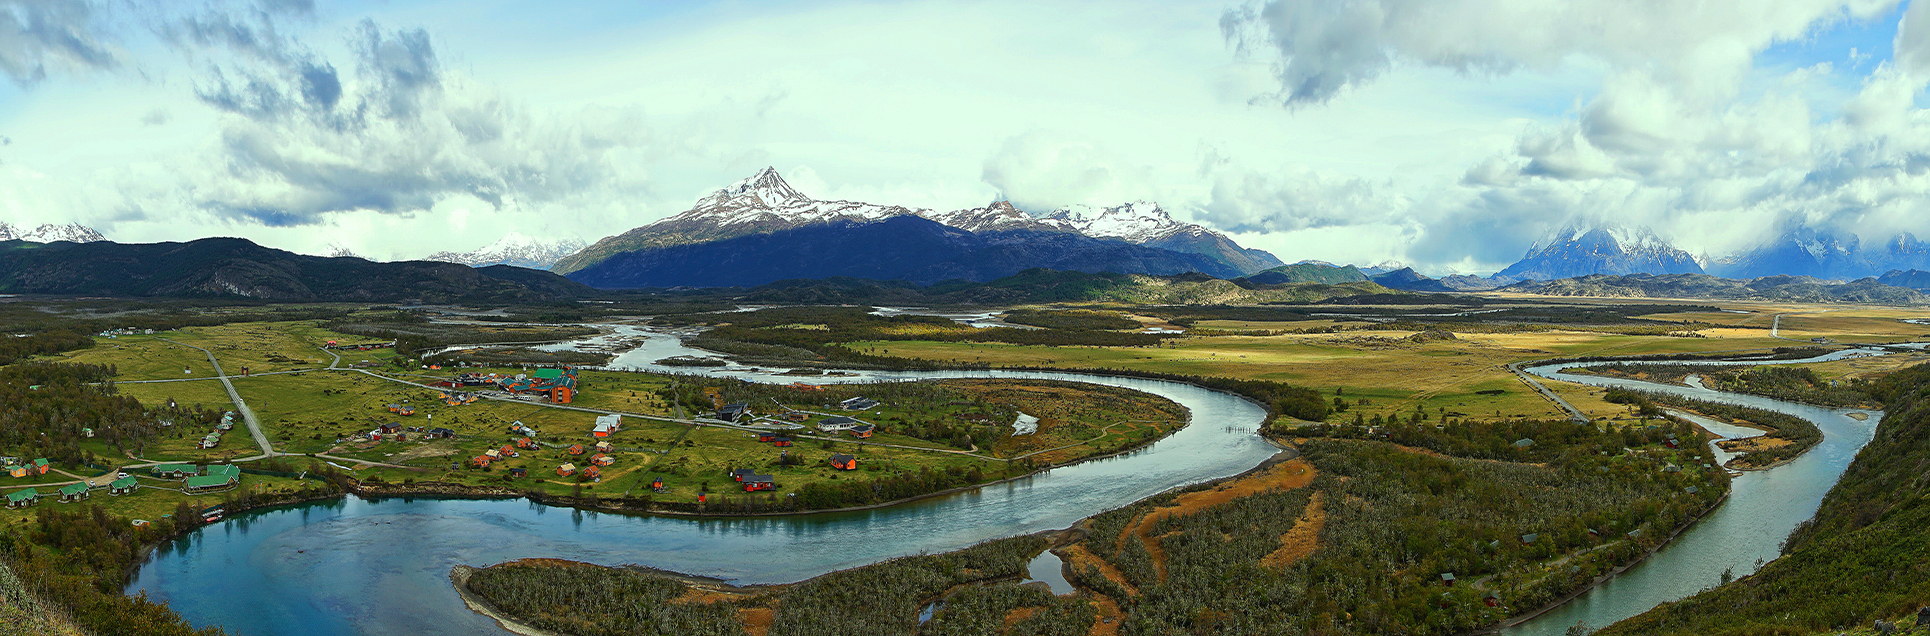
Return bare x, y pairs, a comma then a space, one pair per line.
1396, 376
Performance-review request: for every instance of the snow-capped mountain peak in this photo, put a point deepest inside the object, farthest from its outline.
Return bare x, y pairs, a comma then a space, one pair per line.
1136, 222
514, 249
48, 233
766, 188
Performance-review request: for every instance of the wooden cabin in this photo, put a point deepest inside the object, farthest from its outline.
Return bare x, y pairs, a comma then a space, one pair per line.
566, 469
481, 461
23, 498
603, 447
1447, 579
740, 473
863, 431
176, 471
576, 449
755, 483
405, 412
395, 408
391, 427
766, 437
518, 472
73, 492
593, 472
526, 443
123, 485
493, 454
781, 441
844, 462
508, 451
601, 459
41, 466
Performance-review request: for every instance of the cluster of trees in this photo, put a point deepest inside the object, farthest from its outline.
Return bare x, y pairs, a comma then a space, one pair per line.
41, 344
982, 609
80, 560
1394, 522
1086, 319
1790, 384
1860, 559
904, 485
586, 600
1801, 433
884, 598
1553, 440
45, 407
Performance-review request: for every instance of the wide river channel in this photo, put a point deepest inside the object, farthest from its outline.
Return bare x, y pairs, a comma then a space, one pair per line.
380, 566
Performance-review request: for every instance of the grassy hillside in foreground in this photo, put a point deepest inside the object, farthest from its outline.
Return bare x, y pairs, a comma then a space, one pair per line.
1865, 556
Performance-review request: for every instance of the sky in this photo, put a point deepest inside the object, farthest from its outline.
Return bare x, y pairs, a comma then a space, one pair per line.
1446, 134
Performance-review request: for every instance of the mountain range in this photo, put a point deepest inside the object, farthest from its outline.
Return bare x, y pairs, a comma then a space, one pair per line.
1575, 250
48, 233
900, 247
514, 249
764, 204
237, 268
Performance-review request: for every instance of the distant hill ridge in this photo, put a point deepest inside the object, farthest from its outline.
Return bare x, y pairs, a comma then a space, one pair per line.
238, 268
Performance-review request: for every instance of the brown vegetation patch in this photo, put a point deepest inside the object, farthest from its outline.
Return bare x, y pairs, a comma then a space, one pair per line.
1013, 617
1284, 476
1752, 444
1302, 538
1077, 555
1107, 623
757, 620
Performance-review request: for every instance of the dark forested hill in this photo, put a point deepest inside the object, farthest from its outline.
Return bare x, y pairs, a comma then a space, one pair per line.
1865, 556
232, 267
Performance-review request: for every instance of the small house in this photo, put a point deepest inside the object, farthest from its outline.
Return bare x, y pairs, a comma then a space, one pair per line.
607, 425
857, 404
835, 424
406, 411
205, 483
593, 472
766, 437
493, 454
862, 431
73, 492
781, 441
518, 472
225, 470
441, 433
1529, 539
508, 451
391, 427
41, 466
657, 486
576, 449
734, 412
754, 483
740, 473
566, 469
601, 459
482, 461
1491, 600
176, 471
18, 471
603, 447
844, 462
526, 443
395, 408
1447, 579
23, 498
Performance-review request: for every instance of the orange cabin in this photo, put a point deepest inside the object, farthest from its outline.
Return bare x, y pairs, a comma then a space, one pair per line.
480, 461
844, 462
592, 472
566, 470
526, 443
406, 411
603, 460
507, 451
576, 449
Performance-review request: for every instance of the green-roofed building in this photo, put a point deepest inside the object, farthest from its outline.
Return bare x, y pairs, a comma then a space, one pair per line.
204, 483
175, 471
224, 470
547, 374
123, 485
74, 492
41, 466
23, 498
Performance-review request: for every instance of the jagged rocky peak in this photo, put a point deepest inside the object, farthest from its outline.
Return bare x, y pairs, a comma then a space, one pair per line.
1578, 249
1138, 222
766, 188
48, 233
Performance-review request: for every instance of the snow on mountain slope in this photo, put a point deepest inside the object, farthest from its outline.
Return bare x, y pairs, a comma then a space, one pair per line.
765, 203
1578, 250
48, 233
514, 249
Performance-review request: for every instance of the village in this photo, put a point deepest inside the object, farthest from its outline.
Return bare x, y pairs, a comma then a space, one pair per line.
321, 401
